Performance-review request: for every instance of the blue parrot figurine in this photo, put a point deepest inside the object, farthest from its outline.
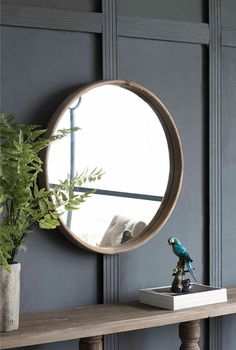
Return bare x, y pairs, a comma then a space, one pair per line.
180, 251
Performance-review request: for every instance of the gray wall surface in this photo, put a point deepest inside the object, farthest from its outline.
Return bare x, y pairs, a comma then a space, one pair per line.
187, 10
229, 188
40, 66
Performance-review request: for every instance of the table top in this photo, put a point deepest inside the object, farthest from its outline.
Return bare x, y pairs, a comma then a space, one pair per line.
102, 319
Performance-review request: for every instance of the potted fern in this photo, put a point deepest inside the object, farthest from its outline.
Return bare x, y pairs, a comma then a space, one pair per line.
23, 204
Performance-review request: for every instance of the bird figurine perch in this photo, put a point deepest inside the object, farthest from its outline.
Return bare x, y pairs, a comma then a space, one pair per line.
184, 265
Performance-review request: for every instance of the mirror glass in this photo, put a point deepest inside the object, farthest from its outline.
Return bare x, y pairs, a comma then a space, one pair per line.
121, 134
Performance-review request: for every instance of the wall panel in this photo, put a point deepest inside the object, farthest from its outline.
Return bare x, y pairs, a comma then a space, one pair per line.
88, 5
229, 165
165, 69
228, 8
228, 187
39, 69
186, 10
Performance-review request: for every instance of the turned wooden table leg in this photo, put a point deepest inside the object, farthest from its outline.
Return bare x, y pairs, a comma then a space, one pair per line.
189, 333
91, 343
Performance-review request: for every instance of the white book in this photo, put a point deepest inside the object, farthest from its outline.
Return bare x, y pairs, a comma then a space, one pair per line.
199, 296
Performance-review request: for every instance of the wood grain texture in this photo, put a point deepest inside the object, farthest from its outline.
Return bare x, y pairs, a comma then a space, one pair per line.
94, 22
51, 18
189, 333
105, 319
91, 343
150, 28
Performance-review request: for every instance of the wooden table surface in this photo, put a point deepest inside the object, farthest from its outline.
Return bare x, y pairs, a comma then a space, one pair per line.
90, 321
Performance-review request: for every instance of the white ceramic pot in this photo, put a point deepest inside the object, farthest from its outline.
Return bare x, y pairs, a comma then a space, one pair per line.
9, 297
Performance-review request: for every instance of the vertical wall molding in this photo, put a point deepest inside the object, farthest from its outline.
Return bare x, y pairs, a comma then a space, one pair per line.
110, 262
215, 162
110, 278
111, 293
109, 36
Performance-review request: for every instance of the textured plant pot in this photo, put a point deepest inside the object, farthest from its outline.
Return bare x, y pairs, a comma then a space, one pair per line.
9, 297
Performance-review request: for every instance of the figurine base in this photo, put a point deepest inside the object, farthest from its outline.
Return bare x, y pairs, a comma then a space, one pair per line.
200, 295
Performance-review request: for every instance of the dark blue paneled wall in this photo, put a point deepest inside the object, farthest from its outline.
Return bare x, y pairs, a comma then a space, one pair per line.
40, 67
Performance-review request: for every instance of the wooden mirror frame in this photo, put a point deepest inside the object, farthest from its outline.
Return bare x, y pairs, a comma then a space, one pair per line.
175, 173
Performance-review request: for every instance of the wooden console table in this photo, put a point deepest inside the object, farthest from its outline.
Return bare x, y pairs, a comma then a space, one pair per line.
90, 323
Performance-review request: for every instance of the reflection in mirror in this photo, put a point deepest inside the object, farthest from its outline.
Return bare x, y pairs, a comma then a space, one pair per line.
121, 134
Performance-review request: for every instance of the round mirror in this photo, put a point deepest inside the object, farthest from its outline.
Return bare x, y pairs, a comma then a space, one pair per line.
128, 133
